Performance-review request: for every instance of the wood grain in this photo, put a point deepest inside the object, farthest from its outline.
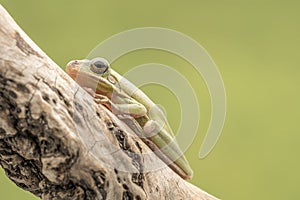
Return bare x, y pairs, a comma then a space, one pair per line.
58, 144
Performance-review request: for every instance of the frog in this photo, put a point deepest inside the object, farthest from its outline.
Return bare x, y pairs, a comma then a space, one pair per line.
132, 106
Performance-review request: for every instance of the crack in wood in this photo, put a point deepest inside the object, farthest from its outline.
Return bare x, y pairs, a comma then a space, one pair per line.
24, 47
122, 138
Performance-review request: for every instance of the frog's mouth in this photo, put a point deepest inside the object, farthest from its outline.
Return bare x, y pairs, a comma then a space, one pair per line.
72, 74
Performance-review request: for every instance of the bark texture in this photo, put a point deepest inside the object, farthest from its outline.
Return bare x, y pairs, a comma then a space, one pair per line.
58, 144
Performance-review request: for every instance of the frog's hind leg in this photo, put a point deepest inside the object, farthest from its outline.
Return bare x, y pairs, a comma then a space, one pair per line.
132, 124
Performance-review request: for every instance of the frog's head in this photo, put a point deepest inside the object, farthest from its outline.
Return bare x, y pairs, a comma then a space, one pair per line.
95, 67
95, 74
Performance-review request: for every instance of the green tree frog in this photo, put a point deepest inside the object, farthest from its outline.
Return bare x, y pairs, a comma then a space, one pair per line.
133, 107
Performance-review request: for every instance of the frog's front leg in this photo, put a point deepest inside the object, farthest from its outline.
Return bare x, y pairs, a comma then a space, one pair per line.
99, 99
119, 104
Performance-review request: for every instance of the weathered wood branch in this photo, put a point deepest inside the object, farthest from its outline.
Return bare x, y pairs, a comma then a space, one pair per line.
58, 144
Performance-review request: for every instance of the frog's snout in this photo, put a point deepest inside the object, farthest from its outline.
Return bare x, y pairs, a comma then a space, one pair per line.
72, 67
72, 64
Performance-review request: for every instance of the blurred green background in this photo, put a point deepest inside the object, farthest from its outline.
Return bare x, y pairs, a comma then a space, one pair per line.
255, 45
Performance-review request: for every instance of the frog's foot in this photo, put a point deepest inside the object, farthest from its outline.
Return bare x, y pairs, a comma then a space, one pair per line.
98, 98
103, 100
152, 128
132, 124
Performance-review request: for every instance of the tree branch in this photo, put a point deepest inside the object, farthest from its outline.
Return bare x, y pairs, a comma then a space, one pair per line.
58, 144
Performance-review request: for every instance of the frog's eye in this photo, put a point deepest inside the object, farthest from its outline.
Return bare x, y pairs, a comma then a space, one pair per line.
99, 65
